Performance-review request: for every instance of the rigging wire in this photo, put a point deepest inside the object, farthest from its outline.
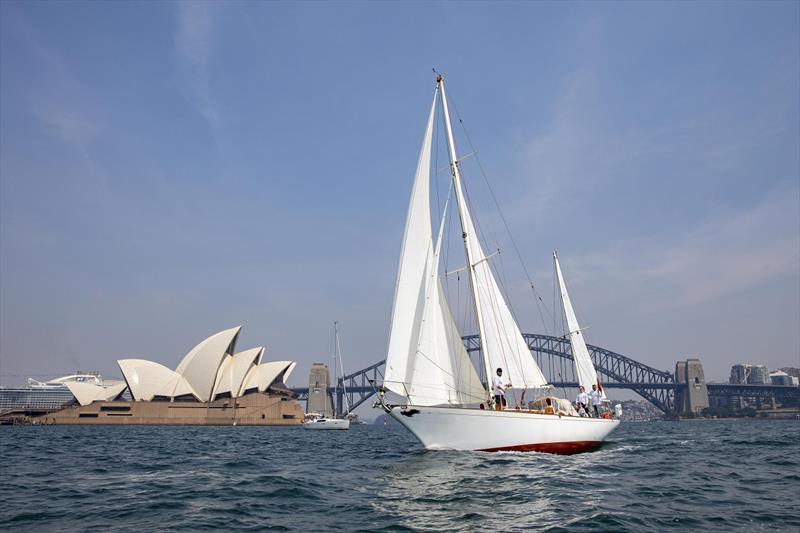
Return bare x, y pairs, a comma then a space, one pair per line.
538, 298
493, 297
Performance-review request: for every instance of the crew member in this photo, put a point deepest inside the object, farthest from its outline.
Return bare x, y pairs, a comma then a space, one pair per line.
597, 400
548, 408
499, 386
582, 400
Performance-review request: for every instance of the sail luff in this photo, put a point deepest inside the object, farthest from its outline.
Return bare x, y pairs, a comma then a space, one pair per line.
584, 368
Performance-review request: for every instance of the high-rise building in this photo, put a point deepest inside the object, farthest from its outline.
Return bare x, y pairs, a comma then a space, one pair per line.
740, 373
759, 375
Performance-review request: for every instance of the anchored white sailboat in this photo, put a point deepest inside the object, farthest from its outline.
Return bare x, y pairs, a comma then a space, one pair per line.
447, 405
322, 422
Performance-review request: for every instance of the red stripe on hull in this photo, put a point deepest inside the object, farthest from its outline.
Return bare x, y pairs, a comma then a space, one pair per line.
561, 448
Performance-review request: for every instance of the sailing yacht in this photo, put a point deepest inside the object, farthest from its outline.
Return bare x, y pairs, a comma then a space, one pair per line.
447, 405
323, 422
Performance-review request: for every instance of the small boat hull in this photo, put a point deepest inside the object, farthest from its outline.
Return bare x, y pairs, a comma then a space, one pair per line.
449, 428
327, 424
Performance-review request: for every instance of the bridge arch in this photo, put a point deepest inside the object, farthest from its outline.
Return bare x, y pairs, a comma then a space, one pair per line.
554, 356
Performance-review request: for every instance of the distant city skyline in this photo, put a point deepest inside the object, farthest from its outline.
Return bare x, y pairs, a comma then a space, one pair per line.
169, 170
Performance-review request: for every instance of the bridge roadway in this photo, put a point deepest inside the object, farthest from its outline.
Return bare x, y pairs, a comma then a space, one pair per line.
554, 357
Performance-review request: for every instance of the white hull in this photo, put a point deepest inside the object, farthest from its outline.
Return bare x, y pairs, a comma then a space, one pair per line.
327, 423
447, 428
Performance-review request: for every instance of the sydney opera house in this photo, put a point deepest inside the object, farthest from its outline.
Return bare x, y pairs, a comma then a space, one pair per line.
212, 385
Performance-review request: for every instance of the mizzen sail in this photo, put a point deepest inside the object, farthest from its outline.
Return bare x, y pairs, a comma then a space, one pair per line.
584, 368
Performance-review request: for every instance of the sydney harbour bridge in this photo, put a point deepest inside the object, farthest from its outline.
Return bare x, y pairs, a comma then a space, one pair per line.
554, 357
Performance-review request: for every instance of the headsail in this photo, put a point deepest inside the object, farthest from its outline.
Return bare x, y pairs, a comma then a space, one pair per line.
427, 361
409, 293
443, 372
584, 368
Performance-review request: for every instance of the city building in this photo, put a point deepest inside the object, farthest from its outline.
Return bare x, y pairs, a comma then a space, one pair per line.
759, 375
212, 385
782, 378
739, 374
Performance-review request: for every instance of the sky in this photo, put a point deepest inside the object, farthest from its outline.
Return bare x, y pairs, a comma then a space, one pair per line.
170, 170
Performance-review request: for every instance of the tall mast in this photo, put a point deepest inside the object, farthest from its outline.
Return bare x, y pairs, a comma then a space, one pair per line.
335, 370
338, 352
462, 215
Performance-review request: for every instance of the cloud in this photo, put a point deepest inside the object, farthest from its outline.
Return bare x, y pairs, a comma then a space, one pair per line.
730, 252
71, 125
57, 96
194, 43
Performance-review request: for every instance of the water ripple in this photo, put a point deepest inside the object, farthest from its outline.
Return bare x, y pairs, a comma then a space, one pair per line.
715, 476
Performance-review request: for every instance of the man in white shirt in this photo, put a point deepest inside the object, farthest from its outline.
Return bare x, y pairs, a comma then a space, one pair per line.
582, 399
597, 399
499, 386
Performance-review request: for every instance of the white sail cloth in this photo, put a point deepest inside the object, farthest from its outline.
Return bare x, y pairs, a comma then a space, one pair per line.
584, 368
426, 361
502, 339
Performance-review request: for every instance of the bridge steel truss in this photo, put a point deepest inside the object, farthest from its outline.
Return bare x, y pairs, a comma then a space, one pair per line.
360, 386
554, 357
656, 386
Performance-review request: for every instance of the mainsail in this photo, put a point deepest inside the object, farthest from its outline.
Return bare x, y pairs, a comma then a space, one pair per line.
584, 369
501, 339
426, 361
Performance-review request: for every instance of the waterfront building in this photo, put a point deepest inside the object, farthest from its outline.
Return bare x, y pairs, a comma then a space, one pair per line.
782, 378
739, 374
212, 385
792, 371
759, 375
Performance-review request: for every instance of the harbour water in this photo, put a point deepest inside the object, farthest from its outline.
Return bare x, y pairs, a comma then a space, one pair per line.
721, 475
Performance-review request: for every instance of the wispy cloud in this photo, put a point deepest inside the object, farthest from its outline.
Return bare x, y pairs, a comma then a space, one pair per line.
57, 96
731, 252
194, 42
